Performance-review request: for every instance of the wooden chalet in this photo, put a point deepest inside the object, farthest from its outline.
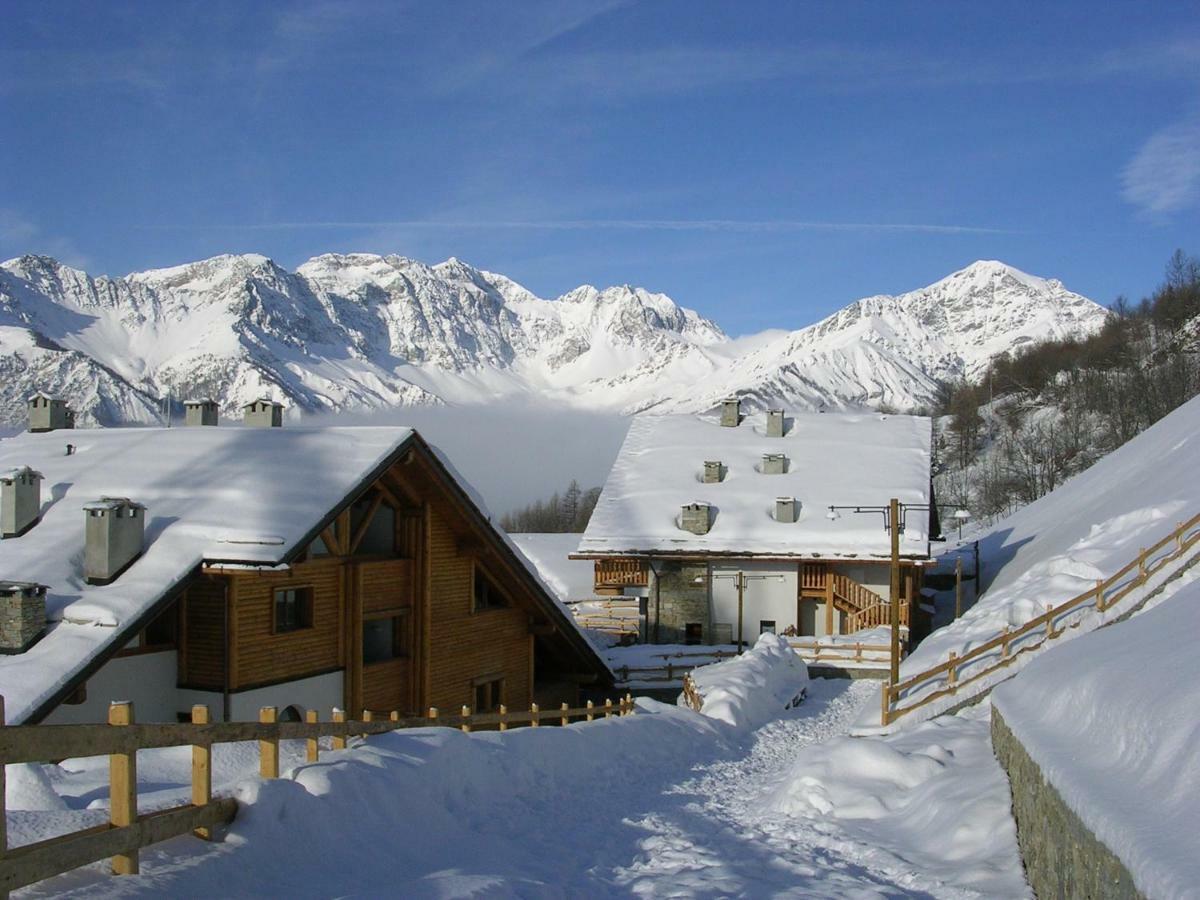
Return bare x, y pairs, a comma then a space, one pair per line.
349, 568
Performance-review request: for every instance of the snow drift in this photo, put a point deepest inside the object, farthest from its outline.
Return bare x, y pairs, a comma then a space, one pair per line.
753, 688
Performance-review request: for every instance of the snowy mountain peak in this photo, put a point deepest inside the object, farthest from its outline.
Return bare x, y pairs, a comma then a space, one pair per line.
359, 330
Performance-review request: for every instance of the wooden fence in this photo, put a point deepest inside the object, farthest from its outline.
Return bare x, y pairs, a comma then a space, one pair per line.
816, 653
127, 831
1035, 633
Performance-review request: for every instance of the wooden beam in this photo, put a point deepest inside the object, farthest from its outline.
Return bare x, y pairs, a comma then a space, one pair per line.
331, 541
542, 629
122, 786
343, 532
361, 533
201, 771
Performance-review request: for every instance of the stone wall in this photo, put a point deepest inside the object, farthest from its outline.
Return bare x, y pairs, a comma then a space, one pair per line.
22, 621
681, 597
1062, 857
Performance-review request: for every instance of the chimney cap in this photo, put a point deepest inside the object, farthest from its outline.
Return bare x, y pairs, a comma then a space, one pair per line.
697, 504
773, 456
19, 472
200, 401
42, 395
22, 587
785, 499
105, 503
267, 401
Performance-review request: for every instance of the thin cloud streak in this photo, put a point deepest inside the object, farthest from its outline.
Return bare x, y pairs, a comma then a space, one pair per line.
1164, 175
766, 225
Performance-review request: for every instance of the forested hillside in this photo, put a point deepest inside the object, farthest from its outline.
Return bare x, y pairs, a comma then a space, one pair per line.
1040, 415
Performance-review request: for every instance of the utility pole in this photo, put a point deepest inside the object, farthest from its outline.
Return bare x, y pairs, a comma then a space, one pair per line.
957, 587
894, 521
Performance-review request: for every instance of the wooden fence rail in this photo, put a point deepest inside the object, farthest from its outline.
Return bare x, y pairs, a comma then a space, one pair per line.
127, 831
1011, 643
814, 652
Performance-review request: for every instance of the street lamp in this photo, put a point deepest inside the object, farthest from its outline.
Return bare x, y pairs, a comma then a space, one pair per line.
895, 512
960, 516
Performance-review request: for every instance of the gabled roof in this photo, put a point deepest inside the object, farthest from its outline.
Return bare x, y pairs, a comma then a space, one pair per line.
842, 459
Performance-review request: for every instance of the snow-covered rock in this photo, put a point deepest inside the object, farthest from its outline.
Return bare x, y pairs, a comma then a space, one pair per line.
362, 331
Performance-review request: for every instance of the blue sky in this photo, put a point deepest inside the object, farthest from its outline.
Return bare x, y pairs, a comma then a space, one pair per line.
764, 163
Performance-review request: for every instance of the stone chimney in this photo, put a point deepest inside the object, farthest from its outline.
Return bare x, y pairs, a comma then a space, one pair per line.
199, 412
712, 471
774, 423
696, 518
262, 413
48, 413
20, 501
785, 509
731, 412
774, 464
22, 615
115, 533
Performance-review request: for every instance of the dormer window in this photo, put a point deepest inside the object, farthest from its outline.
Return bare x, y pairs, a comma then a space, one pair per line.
486, 594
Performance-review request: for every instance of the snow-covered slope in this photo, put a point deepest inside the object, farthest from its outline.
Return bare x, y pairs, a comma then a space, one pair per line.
361, 331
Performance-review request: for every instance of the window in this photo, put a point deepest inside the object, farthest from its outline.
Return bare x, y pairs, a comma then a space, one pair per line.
766, 626
384, 638
487, 595
489, 694
380, 536
693, 633
293, 609
318, 548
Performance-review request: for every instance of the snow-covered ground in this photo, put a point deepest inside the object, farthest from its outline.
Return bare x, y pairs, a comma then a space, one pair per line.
1062, 544
1112, 720
664, 803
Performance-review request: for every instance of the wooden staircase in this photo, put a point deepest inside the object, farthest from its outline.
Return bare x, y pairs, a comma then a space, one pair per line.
860, 606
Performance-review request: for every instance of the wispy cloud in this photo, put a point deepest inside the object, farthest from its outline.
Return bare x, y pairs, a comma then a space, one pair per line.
19, 235
742, 225
1164, 176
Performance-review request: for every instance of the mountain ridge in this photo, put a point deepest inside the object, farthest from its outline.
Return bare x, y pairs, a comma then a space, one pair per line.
362, 331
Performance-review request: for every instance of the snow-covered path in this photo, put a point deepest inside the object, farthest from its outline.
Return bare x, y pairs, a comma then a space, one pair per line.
661, 804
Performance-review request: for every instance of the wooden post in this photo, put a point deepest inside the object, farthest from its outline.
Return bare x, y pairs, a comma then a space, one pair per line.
312, 746
366, 717
3, 807
466, 714
741, 589
884, 711
952, 672
608, 708
268, 748
201, 771
1142, 565
1004, 643
670, 671
591, 714
958, 587
433, 714
122, 788
629, 704
1099, 595
339, 740
1049, 621
503, 717
534, 715
858, 651
394, 715
894, 513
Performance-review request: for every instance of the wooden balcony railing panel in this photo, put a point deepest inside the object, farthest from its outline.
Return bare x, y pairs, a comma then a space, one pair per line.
611, 573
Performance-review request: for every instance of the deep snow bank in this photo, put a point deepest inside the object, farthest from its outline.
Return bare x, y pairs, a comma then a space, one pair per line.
1112, 720
755, 687
1060, 545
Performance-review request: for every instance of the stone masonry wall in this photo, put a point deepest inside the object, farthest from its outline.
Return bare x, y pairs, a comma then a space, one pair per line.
1062, 857
22, 620
682, 597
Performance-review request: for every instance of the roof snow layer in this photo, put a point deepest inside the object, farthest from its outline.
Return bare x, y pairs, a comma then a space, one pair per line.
839, 459
249, 495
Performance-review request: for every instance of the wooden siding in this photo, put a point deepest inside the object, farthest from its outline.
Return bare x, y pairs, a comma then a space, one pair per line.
386, 585
465, 645
264, 657
202, 656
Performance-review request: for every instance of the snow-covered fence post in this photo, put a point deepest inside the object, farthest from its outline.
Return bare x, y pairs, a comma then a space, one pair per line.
366, 717
670, 671
1099, 595
433, 714
534, 715
268, 748
629, 704
608, 708
1050, 633
591, 711
858, 651
1142, 565
1004, 643
566, 715
394, 715
883, 702
339, 740
312, 746
122, 788
466, 719
952, 672
503, 717
201, 771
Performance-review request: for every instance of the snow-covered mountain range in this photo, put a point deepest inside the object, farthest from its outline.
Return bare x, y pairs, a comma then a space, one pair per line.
360, 331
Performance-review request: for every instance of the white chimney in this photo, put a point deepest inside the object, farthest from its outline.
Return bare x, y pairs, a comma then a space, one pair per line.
199, 412
774, 464
115, 534
774, 423
262, 413
20, 501
731, 412
785, 509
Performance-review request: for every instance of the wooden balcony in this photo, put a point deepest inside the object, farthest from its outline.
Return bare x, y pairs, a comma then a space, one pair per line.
612, 576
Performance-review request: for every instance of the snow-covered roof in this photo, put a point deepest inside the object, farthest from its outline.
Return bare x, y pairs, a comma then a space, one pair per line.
569, 579
840, 459
233, 494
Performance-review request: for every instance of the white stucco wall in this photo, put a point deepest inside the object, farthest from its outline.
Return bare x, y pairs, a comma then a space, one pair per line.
149, 679
770, 594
